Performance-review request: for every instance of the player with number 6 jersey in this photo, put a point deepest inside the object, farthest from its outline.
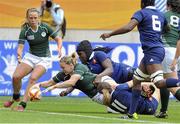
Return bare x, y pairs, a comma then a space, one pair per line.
151, 24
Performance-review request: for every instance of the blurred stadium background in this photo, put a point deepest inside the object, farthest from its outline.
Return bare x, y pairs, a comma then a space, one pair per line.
86, 19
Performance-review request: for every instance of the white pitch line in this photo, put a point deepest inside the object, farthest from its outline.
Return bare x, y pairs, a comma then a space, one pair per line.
93, 117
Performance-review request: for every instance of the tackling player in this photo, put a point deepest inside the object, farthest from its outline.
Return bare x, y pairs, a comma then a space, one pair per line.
99, 62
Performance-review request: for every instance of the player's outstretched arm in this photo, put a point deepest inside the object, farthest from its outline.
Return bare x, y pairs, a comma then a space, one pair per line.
59, 45
122, 30
66, 92
68, 83
19, 52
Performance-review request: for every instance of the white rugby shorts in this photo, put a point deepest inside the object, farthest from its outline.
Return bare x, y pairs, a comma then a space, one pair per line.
169, 56
33, 61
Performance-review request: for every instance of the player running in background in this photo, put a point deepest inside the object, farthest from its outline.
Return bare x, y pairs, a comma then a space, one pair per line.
151, 23
170, 40
52, 14
37, 60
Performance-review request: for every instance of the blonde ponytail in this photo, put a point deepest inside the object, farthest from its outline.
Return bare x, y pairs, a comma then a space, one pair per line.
106, 97
72, 59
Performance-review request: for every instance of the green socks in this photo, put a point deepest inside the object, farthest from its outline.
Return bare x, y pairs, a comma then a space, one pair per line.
164, 99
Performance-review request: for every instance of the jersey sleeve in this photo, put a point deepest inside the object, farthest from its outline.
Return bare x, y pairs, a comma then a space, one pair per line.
51, 32
100, 56
138, 16
22, 37
60, 77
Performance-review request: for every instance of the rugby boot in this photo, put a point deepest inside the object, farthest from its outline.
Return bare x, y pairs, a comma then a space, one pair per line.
9, 103
162, 115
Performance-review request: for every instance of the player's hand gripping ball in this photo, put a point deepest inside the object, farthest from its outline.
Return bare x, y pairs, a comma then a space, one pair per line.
34, 93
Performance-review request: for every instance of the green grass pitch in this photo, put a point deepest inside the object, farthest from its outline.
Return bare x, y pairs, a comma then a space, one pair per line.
76, 110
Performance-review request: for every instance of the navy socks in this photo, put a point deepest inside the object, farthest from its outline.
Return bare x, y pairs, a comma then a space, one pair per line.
171, 82
135, 99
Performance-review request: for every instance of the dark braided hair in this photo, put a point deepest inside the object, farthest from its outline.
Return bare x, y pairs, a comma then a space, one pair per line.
85, 46
175, 5
147, 3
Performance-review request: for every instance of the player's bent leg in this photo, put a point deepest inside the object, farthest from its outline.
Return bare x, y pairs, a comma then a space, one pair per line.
139, 77
21, 71
38, 71
160, 82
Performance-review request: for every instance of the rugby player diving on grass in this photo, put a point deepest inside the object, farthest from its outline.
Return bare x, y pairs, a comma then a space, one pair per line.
75, 75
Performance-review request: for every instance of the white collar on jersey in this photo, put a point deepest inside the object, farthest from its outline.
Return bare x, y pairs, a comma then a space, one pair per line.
91, 56
150, 7
36, 29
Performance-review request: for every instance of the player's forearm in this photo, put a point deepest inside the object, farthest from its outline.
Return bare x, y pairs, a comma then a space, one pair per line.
20, 50
177, 50
125, 29
59, 44
107, 71
59, 85
69, 90
46, 84
64, 84
122, 30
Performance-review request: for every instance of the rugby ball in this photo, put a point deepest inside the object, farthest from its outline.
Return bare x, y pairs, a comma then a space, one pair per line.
34, 94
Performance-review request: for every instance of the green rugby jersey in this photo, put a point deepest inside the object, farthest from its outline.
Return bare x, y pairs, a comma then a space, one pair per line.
170, 38
38, 40
85, 84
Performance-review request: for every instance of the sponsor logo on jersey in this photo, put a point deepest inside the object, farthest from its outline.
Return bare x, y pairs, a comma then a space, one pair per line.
30, 37
151, 60
43, 34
